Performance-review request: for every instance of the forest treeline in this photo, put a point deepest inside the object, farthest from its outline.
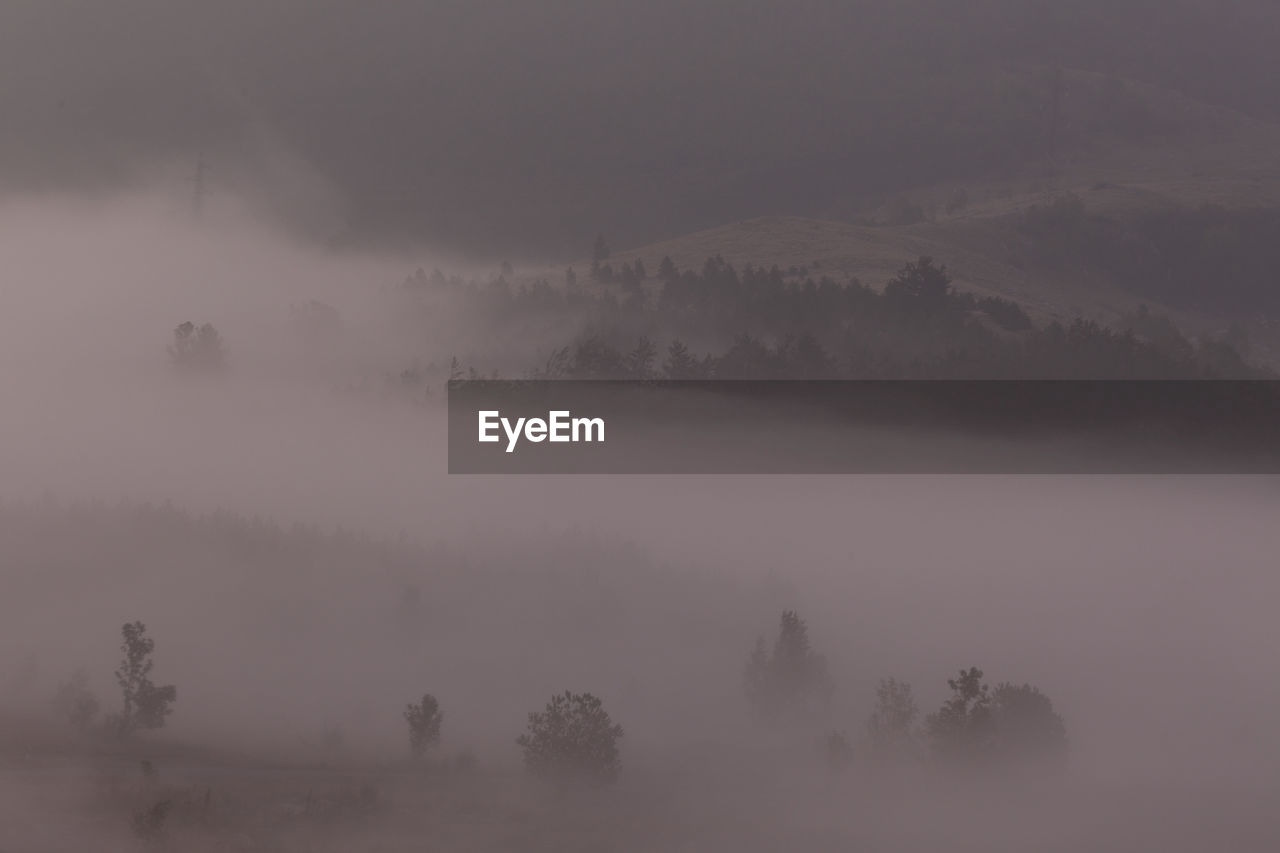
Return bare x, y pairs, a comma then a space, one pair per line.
765, 323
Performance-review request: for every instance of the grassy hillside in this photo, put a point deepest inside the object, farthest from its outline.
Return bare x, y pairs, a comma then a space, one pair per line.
1128, 153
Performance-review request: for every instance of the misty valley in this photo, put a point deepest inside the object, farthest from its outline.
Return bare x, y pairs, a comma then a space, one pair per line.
249, 252
275, 719
352, 650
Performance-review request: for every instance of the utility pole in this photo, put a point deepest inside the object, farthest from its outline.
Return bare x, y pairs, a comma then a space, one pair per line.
199, 186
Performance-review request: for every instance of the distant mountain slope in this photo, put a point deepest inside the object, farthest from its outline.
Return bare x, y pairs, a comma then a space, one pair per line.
1195, 155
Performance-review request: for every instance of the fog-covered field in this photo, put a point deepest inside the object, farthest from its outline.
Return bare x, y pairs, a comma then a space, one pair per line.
286, 531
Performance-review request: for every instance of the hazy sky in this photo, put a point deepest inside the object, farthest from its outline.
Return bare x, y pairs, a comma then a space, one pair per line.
513, 127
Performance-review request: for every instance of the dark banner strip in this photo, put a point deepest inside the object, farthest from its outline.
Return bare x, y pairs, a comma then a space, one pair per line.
863, 427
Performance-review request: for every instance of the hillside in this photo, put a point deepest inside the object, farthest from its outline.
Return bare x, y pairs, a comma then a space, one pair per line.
515, 129
1193, 155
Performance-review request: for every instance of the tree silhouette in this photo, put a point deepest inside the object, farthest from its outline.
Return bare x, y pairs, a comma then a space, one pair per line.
145, 705
891, 727
680, 364
572, 740
790, 683
594, 358
961, 730
667, 269
1025, 724
921, 286
1011, 725
639, 362
424, 719
197, 348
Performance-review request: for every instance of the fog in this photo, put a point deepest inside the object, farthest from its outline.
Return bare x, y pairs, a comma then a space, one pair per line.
359, 202
1143, 606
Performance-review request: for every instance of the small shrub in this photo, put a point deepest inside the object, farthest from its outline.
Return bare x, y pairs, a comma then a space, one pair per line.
197, 348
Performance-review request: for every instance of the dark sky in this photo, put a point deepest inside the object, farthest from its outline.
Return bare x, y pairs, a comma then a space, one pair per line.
529, 126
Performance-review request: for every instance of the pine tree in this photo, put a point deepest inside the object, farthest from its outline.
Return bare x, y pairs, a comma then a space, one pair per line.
572, 740
424, 719
792, 682
680, 364
922, 286
639, 362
